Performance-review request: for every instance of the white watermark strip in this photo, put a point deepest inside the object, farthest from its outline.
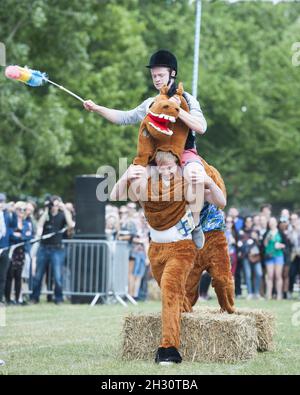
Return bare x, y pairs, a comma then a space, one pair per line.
169, 192
2, 54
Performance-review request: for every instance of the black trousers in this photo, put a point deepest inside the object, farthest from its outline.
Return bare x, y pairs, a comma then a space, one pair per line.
237, 277
4, 264
294, 270
14, 273
204, 284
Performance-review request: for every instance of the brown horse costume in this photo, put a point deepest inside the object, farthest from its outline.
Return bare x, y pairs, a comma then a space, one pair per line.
177, 266
214, 258
161, 129
170, 262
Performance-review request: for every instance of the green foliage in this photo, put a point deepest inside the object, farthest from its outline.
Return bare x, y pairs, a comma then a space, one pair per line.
247, 89
250, 99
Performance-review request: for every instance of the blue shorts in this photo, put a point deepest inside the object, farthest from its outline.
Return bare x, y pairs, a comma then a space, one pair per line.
139, 263
276, 260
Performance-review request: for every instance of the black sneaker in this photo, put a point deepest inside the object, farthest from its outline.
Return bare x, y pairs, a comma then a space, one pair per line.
167, 356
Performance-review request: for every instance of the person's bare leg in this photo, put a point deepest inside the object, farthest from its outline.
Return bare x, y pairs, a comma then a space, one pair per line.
137, 284
279, 282
269, 281
131, 277
285, 276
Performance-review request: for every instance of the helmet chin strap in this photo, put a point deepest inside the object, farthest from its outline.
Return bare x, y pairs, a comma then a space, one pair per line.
172, 77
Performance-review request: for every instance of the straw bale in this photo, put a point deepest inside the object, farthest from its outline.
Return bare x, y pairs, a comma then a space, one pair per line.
264, 322
204, 338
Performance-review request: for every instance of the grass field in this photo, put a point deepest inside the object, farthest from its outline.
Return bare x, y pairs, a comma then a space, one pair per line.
79, 339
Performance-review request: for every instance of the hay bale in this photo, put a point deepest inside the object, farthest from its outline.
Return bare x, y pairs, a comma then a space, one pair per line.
206, 338
154, 292
264, 322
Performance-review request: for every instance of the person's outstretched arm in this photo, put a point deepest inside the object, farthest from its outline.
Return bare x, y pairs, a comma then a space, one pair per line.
117, 116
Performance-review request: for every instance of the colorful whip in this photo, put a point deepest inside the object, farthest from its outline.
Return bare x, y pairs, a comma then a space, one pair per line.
33, 78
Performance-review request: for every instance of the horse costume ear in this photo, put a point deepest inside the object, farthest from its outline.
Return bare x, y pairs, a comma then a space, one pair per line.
180, 89
164, 90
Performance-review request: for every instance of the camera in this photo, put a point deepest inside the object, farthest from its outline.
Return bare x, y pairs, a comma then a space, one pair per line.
48, 201
49, 204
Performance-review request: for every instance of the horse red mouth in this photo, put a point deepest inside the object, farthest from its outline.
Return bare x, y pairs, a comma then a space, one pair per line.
160, 122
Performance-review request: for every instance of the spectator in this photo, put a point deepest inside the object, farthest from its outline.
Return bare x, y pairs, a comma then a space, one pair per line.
250, 254
6, 228
71, 209
31, 209
139, 243
22, 232
127, 232
238, 221
294, 237
232, 237
54, 219
32, 224
263, 226
132, 211
274, 258
256, 223
143, 291
261, 235
112, 226
285, 215
283, 227
293, 222
266, 210
69, 233
10, 207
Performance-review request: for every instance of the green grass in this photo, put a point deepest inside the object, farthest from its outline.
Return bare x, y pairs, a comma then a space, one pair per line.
79, 339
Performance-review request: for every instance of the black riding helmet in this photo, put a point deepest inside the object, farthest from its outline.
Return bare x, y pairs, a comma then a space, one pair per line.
163, 58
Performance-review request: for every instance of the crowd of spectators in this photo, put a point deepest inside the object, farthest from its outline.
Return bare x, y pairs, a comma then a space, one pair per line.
30, 244
264, 250
128, 223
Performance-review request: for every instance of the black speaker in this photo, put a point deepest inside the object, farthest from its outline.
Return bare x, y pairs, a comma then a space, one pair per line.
90, 211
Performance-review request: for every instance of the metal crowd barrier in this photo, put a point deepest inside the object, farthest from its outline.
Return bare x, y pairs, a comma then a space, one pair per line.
95, 268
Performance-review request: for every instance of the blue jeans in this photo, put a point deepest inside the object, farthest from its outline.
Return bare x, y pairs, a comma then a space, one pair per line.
248, 276
56, 257
139, 263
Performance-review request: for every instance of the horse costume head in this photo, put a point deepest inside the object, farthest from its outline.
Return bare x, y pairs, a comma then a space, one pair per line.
162, 129
162, 112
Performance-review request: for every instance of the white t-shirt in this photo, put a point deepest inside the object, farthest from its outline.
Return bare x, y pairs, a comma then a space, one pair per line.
167, 236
